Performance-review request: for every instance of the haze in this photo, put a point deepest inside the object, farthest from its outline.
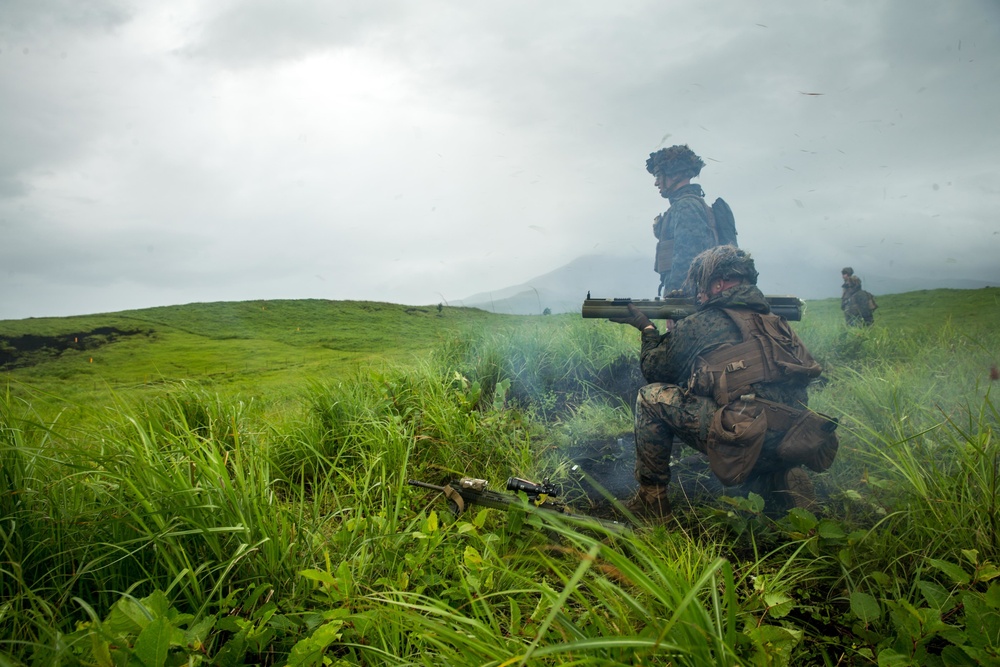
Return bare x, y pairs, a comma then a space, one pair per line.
419, 152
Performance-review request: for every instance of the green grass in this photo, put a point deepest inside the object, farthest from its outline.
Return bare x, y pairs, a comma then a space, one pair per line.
232, 347
230, 489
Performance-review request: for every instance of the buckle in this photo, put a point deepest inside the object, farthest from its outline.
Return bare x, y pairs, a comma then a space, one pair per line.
735, 366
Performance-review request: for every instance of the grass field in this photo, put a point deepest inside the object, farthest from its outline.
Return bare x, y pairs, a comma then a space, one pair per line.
225, 484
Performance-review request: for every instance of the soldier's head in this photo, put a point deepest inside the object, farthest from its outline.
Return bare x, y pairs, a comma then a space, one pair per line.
673, 167
847, 271
720, 268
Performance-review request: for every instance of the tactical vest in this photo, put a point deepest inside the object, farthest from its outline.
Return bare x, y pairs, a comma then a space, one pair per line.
665, 236
770, 352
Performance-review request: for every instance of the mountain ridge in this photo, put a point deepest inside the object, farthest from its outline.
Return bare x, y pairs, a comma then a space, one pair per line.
563, 289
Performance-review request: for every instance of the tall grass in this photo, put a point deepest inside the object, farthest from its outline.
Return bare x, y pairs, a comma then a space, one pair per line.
185, 527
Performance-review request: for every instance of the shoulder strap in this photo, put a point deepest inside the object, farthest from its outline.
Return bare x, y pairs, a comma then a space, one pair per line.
708, 211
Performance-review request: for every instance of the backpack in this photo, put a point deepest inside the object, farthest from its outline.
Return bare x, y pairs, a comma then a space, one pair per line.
871, 301
725, 223
770, 352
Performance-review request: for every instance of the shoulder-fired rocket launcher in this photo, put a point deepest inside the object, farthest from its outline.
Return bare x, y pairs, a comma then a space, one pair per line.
789, 307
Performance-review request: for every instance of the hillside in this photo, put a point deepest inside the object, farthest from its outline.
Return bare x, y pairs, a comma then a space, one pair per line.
220, 343
277, 344
256, 480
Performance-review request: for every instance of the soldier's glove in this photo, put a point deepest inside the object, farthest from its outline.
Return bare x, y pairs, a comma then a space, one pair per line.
636, 318
675, 294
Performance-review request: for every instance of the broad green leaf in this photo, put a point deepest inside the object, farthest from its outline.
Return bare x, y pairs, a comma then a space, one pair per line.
987, 572
865, 607
157, 605
831, 530
101, 649
892, 658
936, 595
153, 642
952, 571
982, 623
318, 575
955, 656
775, 642
309, 651
128, 616
992, 597
431, 525
472, 558
778, 604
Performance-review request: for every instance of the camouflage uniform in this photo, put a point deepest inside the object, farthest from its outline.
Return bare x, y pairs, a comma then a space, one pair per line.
666, 408
855, 304
687, 224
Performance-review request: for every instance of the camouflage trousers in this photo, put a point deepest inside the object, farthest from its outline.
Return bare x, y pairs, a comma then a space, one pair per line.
663, 411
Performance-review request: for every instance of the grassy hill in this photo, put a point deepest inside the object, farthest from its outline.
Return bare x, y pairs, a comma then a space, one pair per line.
240, 344
226, 484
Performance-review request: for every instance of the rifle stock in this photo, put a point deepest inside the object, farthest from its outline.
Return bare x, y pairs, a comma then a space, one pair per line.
789, 307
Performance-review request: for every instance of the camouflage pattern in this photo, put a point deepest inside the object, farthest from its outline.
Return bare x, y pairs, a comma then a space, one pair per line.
685, 224
855, 304
724, 262
675, 161
661, 412
666, 408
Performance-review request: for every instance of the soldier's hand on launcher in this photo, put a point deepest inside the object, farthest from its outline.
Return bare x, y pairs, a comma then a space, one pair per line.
636, 318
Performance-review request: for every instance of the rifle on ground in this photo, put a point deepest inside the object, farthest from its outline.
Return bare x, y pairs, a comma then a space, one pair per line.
789, 307
470, 491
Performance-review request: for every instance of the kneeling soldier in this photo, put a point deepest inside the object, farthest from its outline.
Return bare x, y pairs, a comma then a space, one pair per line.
729, 381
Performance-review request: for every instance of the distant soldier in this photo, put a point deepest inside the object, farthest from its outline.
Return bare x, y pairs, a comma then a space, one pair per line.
857, 304
730, 381
689, 225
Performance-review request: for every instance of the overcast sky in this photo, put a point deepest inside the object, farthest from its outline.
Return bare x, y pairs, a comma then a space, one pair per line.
159, 153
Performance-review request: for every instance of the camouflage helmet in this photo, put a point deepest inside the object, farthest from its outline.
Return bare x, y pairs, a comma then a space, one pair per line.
847, 271
723, 262
674, 161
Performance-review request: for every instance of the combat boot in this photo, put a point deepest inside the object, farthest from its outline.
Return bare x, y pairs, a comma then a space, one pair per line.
650, 502
796, 489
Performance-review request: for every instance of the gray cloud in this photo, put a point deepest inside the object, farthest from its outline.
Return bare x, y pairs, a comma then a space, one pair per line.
403, 152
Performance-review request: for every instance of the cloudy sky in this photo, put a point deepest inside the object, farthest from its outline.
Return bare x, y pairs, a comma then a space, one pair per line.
419, 151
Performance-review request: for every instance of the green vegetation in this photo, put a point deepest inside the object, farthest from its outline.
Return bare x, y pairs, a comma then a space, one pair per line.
227, 486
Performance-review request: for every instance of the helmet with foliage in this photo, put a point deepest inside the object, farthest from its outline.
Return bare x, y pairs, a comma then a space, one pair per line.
675, 161
723, 262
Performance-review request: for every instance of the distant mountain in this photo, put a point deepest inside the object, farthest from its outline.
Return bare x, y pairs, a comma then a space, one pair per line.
564, 289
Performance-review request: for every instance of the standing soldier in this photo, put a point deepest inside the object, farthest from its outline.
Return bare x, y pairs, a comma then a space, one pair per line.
857, 304
689, 225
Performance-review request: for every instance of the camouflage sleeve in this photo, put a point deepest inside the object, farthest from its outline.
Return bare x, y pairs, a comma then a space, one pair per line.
656, 358
670, 357
692, 235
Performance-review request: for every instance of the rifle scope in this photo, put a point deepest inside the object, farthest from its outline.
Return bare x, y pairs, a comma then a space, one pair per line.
517, 484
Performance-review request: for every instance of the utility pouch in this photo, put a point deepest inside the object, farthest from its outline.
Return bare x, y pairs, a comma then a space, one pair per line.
735, 439
664, 255
811, 440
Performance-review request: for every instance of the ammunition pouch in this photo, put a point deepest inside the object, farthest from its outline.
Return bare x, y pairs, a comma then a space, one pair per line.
735, 439
739, 430
664, 255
